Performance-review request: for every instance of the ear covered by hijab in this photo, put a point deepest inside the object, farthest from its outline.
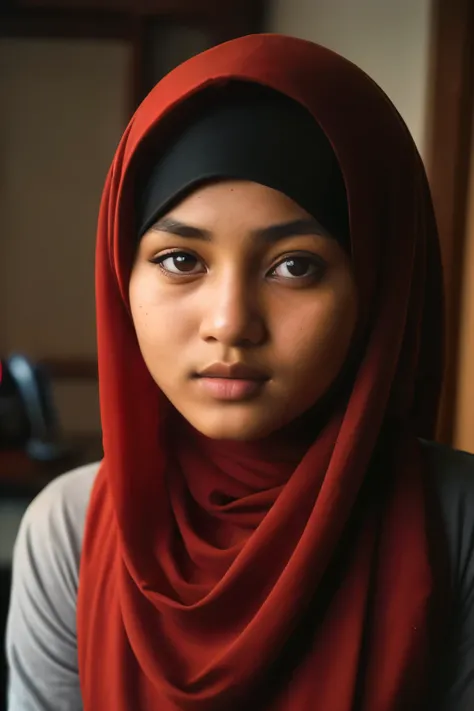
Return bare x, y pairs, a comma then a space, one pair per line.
329, 596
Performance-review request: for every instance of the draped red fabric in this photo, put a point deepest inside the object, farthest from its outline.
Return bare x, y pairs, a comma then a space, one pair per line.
210, 579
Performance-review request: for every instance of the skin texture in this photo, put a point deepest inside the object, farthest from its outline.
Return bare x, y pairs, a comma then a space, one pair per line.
227, 289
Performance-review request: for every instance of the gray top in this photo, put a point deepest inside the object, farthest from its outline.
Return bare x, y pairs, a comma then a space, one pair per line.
41, 629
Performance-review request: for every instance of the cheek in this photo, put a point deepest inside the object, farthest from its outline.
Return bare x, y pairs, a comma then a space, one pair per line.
315, 345
161, 334
161, 326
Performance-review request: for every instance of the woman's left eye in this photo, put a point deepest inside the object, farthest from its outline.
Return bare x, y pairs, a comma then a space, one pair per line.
297, 267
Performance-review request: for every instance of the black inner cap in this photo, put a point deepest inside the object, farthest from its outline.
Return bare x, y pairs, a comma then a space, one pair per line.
265, 138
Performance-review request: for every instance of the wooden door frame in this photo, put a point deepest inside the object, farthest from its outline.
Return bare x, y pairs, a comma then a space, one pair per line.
447, 157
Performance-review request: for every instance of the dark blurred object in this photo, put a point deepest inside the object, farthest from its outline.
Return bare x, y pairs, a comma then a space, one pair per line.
28, 419
23, 477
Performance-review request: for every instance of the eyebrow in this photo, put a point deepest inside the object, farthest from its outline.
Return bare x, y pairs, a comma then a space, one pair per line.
273, 233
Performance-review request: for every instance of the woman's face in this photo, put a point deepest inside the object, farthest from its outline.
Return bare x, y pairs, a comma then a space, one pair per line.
243, 310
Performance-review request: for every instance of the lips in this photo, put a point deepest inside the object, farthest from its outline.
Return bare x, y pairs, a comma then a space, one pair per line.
233, 371
232, 381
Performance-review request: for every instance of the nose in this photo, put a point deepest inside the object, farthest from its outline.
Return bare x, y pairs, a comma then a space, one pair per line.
232, 313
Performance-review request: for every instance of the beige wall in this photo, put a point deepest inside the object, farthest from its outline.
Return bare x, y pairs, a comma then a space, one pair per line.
389, 39
64, 106
63, 110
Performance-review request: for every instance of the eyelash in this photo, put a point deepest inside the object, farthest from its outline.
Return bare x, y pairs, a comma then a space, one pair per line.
315, 262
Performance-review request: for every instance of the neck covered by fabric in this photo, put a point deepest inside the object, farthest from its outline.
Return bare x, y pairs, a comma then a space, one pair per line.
216, 577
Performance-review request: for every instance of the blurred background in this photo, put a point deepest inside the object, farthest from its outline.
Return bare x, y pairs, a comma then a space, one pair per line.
71, 74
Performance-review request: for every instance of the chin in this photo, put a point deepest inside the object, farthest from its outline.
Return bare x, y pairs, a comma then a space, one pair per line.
232, 425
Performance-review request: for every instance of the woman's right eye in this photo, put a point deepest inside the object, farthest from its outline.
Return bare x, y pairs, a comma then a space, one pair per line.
180, 263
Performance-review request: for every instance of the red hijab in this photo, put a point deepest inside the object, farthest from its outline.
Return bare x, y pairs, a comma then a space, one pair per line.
305, 583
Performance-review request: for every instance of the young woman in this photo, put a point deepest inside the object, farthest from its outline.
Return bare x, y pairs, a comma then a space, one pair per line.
266, 529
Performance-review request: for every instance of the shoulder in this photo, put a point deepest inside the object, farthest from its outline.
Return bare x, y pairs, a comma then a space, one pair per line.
452, 469
41, 628
48, 545
452, 475
64, 500
53, 524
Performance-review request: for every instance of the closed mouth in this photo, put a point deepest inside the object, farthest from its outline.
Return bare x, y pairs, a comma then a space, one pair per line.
233, 371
